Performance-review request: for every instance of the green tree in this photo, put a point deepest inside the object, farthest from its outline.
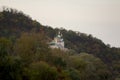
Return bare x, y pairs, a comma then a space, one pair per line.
42, 71
31, 47
5, 47
90, 67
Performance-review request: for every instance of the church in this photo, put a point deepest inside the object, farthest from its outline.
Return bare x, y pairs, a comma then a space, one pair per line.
57, 42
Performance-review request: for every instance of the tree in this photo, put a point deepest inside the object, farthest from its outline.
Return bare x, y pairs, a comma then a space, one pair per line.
90, 67
5, 47
31, 47
42, 71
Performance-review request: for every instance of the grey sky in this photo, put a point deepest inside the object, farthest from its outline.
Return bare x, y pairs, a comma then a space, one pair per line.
101, 18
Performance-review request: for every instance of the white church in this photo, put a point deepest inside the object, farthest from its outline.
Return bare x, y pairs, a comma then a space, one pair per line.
57, 42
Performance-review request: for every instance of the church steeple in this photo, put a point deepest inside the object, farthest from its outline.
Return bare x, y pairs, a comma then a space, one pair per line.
59, 34
58, 41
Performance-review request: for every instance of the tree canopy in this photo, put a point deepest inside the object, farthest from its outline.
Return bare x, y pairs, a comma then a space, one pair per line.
25, 53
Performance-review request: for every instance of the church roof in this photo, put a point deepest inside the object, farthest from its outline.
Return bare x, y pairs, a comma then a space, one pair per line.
52, 43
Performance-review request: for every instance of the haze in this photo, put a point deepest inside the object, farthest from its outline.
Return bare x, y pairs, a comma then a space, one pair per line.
101, 18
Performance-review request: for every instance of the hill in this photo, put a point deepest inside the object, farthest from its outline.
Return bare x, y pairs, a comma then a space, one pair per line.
16, 26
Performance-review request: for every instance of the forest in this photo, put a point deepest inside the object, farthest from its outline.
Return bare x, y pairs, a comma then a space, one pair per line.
25, 53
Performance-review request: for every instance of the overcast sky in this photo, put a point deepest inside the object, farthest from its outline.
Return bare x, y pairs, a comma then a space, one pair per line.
101, 18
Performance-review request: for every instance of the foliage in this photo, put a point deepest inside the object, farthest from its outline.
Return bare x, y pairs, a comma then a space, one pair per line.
5, 47
25, 54
90, 67
29, 44
10, 69
42, 71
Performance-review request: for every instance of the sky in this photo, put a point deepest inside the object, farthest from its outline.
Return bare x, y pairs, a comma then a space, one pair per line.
101, 18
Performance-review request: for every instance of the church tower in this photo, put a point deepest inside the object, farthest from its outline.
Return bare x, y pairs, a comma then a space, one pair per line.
58, 42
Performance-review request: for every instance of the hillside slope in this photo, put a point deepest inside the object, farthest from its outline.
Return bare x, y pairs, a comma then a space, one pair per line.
13, 23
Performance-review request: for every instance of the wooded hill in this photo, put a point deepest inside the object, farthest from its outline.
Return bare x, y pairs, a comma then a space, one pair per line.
23, 46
